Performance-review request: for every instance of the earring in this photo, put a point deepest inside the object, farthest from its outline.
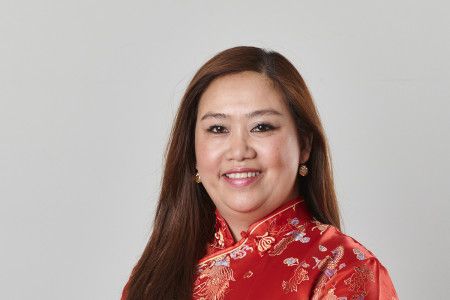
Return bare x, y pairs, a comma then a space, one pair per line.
303, 170
197, 178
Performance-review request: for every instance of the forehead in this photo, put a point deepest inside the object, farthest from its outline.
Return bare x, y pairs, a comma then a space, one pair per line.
241, 93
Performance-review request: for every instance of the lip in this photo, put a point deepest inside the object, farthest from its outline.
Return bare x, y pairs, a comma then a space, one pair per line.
241, 170
241, 182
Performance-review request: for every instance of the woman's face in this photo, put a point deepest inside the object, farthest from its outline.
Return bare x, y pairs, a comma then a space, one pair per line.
246, 145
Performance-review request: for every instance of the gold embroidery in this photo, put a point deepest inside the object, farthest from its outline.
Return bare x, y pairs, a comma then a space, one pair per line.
248, 274
321, 227
300, 275
213, 282
320, 263
357, 282
270, 219
279, 247
328, 265
298, 234
219, 238
264, 242
330, 295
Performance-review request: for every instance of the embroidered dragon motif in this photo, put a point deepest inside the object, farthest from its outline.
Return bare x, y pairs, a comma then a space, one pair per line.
329, 266
300, 275
296, 232
213, 281
320, 226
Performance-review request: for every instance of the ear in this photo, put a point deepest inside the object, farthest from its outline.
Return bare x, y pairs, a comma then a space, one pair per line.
306, 146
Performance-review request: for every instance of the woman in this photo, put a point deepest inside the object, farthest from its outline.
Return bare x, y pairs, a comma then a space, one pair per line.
247, 208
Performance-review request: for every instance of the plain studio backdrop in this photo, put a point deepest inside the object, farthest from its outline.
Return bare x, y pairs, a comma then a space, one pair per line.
89, 89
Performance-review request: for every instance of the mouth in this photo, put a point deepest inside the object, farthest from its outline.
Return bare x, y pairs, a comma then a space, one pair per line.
241, 178
241, 175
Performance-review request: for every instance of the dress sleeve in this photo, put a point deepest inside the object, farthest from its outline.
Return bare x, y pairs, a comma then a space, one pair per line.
367, 279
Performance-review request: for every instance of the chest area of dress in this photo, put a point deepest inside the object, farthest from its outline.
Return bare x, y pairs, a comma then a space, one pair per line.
266, 267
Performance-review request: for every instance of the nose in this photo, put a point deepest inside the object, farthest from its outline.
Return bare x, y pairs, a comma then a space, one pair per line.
239, 147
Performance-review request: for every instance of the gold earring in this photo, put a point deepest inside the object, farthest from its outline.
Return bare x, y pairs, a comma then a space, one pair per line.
197, 178
303, 170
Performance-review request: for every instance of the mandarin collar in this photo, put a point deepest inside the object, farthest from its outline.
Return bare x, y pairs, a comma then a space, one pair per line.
292, 212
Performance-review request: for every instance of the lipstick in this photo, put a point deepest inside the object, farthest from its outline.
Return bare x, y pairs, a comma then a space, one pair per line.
241, 177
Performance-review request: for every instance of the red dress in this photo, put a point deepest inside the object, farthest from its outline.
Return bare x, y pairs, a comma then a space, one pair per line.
289, 255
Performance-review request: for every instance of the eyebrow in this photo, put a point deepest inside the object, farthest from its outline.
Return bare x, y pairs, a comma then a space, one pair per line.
256, 113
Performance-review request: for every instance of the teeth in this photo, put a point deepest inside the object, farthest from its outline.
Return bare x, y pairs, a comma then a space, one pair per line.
242, 175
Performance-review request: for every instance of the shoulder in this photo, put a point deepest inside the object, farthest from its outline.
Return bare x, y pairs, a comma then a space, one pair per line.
356, 252
351, 270
329, 237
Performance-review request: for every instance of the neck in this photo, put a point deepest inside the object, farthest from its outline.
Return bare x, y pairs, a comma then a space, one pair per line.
236, 227
241, 221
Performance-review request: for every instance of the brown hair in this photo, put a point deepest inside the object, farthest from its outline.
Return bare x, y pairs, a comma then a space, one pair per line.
184, 220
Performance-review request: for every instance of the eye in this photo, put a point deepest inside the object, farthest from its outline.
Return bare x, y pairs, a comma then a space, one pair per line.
262, 127
217, 129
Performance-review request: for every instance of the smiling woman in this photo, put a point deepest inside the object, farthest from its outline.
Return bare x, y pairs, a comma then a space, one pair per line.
247, 208
247, 148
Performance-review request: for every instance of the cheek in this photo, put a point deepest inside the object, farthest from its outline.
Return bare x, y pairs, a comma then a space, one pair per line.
281, 152
207, 155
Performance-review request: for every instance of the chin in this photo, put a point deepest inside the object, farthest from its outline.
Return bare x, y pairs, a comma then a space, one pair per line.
243, 204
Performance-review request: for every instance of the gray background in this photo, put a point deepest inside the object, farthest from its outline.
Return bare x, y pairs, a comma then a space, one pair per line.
88, 91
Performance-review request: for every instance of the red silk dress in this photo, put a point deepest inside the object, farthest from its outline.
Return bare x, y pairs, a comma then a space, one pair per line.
289, 255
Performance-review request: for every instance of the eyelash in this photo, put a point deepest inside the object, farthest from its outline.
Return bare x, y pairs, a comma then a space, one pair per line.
266, 127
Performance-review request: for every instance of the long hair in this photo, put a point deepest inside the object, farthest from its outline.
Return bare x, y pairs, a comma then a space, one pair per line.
184, 220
